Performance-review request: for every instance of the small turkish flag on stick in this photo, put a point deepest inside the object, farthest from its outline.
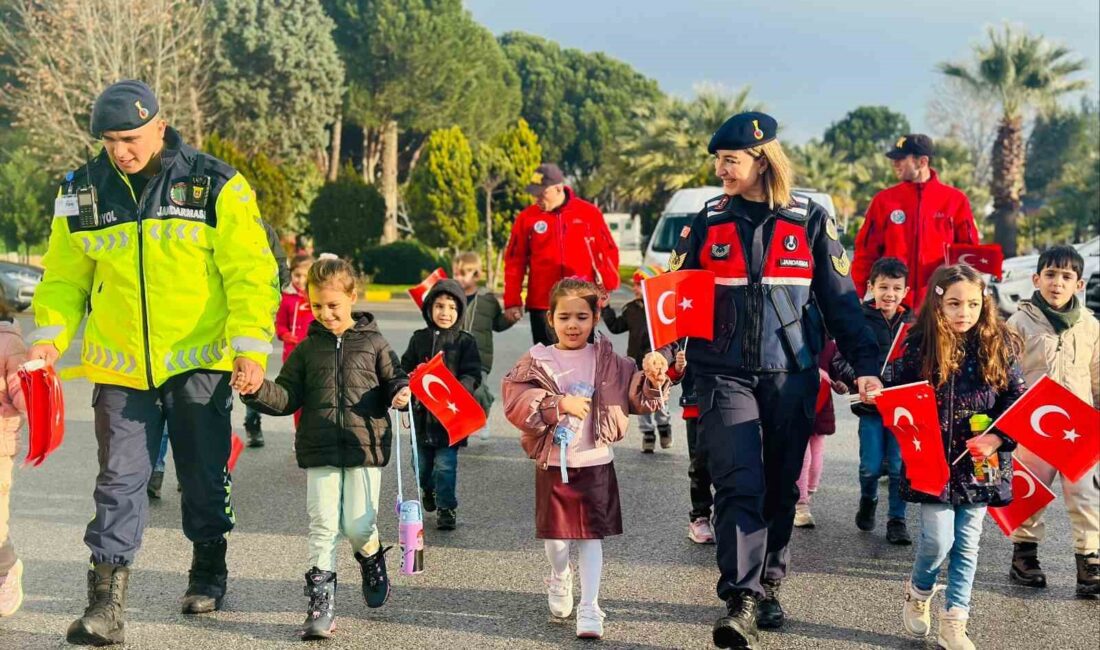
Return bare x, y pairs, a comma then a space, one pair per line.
910, 413
419, 291
1056, 426
447, 399
1029, 495
235, 449
677, 305
986, 258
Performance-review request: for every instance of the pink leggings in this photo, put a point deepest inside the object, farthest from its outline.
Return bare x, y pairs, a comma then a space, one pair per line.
811, 469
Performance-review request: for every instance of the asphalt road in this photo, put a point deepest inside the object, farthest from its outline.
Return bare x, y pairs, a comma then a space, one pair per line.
483, 584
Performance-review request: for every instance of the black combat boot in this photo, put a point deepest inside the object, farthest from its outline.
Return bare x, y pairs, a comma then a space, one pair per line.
253, 429
376, 584
737, 629
156, 480
1025, 566
897, 533
447, 519
665, 431
1088, 576
769, 613
207, 578
321, 614
865, 517
102, 622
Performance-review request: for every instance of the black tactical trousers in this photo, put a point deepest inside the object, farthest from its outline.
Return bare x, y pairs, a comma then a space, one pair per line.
129, 424
753, 431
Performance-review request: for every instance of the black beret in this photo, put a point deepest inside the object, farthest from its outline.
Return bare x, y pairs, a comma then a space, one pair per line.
743, 131
123, 106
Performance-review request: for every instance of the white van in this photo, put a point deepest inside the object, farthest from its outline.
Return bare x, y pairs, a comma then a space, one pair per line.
685, 204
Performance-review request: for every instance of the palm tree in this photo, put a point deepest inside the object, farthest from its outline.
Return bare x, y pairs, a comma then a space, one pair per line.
1023, 72
819, 167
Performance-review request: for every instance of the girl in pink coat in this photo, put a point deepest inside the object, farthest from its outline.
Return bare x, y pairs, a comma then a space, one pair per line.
12, 354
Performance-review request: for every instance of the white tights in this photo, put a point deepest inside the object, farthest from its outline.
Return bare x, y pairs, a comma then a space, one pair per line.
590, 564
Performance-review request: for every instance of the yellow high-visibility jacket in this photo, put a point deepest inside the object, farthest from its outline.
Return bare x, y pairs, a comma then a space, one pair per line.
173, 281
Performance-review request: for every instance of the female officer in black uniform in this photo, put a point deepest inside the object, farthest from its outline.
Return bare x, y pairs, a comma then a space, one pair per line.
781, 279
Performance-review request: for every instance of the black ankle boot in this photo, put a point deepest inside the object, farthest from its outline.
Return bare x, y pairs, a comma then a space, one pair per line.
376, 584
1025, 566
320, 620
1088, 576
102, 622
207, 579
769, 613
737, 629
865, 517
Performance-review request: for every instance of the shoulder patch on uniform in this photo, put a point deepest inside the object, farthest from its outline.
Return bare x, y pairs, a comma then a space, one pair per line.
830, 229
842, 264
676, 260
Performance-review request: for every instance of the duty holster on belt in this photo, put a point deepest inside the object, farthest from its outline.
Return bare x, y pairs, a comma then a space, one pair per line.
790, 327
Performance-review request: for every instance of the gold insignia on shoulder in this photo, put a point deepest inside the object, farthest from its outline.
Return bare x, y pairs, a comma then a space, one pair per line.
830, 229
841, 264
676, 260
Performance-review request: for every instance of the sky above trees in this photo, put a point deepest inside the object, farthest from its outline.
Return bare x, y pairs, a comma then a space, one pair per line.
809, 62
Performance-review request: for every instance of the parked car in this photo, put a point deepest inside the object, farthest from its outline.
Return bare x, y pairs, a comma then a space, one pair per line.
1092, 293
1015, 283
686, 203
19, 282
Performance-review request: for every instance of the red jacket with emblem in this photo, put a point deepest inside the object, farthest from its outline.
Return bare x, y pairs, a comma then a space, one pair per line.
913, 222
572, 240
292, 320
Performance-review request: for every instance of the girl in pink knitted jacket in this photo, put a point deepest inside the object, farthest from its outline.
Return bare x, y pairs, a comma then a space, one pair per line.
12, 354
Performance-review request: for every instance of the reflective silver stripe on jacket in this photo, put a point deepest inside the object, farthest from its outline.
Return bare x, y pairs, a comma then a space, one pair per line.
104, 357
198, 356
249, 344
47, 333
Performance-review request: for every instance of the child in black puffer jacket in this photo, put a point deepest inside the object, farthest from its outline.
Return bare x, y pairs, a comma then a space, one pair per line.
442, 309
962, 347
344, 377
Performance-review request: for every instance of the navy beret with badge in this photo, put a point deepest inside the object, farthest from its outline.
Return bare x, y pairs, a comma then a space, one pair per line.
123, 106
743, 131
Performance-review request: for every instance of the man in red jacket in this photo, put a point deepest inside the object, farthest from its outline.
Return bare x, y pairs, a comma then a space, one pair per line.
914, 220
559, 236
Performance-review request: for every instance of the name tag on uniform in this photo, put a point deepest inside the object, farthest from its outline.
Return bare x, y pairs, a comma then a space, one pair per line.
65, 206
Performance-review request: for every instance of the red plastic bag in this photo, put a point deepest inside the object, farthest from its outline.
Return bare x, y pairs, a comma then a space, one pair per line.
45, 410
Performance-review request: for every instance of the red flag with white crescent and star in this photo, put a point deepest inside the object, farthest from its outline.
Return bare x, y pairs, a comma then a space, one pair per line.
418, 292
897, 348
1056, 426
45, 404
447, 399
679, 304
1029, 495
986, 258
910, 413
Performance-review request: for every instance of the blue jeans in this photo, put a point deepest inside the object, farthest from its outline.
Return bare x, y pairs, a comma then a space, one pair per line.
439, 474
949, 530
163, 454
876, 444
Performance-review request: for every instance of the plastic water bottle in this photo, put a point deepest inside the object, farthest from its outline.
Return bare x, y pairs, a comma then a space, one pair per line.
410, 537
568, 429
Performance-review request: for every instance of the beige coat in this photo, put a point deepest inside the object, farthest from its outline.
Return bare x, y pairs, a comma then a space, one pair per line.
1072, 358
13, 353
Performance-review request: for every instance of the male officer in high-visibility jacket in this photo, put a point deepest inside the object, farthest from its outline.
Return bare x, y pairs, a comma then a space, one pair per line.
164, 246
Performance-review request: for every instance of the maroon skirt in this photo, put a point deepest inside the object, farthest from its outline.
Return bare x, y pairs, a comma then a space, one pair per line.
587, 507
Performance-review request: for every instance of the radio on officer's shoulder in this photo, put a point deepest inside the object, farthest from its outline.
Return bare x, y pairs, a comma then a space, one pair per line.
87, 207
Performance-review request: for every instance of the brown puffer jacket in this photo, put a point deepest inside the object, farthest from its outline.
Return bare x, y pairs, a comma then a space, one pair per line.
344, 387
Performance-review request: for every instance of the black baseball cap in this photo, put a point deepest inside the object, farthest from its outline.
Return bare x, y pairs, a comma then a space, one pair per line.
912, 144
546, 175
744, 131
123, 106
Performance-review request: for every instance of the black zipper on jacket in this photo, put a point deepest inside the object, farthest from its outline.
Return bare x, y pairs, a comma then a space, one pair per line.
914, 269
339, 395
139, 203
950, 437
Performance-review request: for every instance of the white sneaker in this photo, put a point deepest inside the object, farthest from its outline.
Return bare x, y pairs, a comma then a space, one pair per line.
483, 433
700, 531
953, 629
916, 614
590, 622
11, 590
559, 593
803, 518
